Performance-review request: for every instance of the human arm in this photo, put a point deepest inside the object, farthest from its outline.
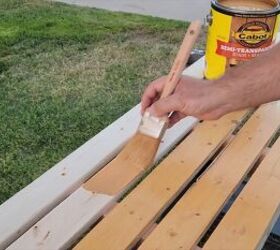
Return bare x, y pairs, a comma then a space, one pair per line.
249, 85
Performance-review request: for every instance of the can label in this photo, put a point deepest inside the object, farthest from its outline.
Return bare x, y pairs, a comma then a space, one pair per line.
247, 40
234, 39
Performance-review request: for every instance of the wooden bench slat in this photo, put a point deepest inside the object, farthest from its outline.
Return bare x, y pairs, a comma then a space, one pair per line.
252, 216
122, 226
192, 215
115, 176
117, 133
80, 202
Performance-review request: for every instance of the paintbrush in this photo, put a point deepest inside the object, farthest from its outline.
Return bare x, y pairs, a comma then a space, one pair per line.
152, 129
139, 153
156, 126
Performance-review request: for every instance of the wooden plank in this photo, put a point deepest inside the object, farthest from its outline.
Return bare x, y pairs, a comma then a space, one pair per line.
145, 203
185, 224
116, 175
79, 216
58, 222
251, 218
45, 199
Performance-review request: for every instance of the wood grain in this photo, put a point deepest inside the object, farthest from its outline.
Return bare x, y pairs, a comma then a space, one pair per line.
135, 158
41, 235
252, 216
185, 224
120, 228
181, 58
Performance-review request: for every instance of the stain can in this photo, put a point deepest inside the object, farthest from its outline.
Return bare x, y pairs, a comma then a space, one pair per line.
239, 30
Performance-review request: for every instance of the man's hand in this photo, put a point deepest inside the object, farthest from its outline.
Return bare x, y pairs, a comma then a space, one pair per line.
199, 98
249, 85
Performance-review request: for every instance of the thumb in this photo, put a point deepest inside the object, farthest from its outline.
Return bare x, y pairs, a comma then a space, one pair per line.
166, 105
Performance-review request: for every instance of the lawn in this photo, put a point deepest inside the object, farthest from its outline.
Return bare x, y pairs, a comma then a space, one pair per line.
65, 74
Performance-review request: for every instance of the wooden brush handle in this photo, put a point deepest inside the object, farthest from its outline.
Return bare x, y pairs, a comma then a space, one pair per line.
181, 59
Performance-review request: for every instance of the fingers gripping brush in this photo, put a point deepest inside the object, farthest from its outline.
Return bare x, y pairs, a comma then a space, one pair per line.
138, 154
154, 126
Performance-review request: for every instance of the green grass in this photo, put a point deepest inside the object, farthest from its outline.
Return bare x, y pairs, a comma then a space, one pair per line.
65, 74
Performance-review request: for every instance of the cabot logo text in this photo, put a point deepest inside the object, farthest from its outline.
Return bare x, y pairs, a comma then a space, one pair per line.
253, 34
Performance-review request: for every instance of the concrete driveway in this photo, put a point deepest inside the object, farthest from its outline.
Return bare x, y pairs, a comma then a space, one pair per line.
171, 9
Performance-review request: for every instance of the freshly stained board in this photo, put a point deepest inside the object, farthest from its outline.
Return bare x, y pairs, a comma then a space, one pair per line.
141, 207
113, 178
251, 217
79, 217
185, 224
